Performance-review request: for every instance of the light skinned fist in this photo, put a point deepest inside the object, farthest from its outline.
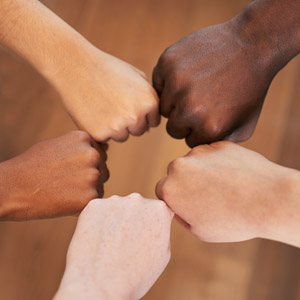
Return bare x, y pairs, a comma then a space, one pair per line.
120, 247
56, 177
108, 97
226, 193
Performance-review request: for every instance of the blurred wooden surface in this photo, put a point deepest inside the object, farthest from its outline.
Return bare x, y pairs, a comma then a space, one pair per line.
32, 254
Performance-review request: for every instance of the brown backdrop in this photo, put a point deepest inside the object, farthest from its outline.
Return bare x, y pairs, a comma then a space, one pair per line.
32, 254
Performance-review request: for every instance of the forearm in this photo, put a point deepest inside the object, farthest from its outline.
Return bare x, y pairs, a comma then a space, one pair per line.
31, 30
273, 28
283, 221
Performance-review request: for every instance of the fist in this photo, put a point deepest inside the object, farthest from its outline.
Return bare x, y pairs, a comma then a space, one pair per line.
120, 247
212, 85
54, 178
108, 97
224, 193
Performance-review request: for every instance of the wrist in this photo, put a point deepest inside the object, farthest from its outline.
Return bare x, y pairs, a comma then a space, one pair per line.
271, 28
78, 291
282, 221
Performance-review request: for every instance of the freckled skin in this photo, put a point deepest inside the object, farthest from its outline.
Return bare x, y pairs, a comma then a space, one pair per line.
120, 247
56, 177
225, 193
213, 82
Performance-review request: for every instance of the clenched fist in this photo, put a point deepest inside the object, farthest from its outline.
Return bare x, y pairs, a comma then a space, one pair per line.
212, 86
53, 178
120, 247
226, 193
105, 96
108, 97
212, 83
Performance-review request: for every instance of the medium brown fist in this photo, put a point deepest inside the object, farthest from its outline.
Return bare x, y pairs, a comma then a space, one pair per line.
53, 178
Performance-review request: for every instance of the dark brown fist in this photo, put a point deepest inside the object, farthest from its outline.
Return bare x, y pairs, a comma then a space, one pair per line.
212, 85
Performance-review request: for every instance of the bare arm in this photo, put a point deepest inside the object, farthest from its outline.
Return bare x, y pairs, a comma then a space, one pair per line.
105, 96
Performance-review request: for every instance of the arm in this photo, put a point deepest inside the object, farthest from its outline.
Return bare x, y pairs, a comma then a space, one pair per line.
225, 193
120, 247
40, 37
212, 83
102, 93
54, 178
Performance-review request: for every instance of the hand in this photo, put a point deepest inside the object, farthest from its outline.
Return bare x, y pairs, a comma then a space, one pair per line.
119, 249
212, 85
225, 193
54, 178
105, 96
108, 97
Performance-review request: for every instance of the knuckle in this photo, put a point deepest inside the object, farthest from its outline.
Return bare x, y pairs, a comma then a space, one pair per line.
168, 56
135, 196
93, 175
98, 135
93, 156
213, 129
132, 119
115, 198
164, 190
188, 107
177, 79
119, 125
160, 205
198, 150
81, 135
176, 165
104, 174
222, 144
92, 204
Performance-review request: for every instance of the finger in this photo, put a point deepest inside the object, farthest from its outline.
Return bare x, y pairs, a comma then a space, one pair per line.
160, 187
182, 222
104, 172
207, 133
120, 135
103, 177
195, 139
139, 128
157, 80
100, 189
100, 148
105, 146
166, 102
178, 126
153, 116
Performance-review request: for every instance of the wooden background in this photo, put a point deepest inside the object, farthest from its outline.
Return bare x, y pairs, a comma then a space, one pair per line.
32, 254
